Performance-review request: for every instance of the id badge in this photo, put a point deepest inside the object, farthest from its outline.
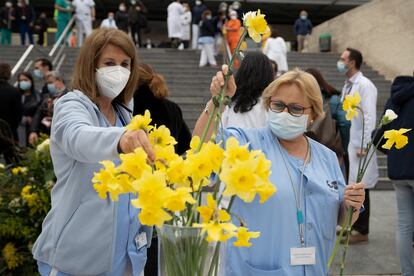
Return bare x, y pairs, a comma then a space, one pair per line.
302, 256
141, 240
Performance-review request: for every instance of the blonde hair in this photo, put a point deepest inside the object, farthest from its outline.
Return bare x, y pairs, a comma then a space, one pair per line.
87, 62
305, 82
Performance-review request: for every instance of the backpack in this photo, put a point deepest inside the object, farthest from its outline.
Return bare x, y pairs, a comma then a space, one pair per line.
326, 132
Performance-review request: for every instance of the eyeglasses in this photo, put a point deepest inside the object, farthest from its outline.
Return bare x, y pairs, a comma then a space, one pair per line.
293, 109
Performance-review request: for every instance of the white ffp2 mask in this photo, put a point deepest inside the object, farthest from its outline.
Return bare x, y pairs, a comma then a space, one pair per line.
286, 126
111, 80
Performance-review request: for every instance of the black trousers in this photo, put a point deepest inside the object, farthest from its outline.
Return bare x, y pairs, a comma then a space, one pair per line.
151, 267
362, 223
136, 32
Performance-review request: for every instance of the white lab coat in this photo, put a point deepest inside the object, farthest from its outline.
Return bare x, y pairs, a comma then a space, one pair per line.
275, 49
175, 10
368, 91
109, 23
186, 25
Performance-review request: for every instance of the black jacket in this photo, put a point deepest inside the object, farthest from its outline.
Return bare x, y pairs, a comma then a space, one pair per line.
163, 112
207, 28
121, 19
10, 105
400, 162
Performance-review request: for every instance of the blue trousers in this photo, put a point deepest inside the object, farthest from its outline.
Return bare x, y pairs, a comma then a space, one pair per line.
25, 28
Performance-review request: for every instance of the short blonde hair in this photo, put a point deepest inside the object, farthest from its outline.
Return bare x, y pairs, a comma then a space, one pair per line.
87, 62
305, 82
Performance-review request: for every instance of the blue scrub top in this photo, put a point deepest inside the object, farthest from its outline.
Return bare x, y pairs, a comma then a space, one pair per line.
323, 189
128, 258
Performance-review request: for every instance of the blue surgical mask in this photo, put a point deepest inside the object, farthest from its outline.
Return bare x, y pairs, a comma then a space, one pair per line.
286, 126
51, 87
38, 74
341, 67
25, 85
303, 17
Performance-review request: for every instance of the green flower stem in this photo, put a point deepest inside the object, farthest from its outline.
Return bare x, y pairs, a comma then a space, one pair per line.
347, 237
362, 141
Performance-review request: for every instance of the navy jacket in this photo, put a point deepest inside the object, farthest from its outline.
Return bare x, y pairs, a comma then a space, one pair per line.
197, 12
302, 27
400, 162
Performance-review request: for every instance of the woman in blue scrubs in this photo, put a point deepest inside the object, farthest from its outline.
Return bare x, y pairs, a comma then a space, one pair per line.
298, 223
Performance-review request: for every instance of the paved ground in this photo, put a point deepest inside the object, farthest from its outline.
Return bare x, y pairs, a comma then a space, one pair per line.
378, 257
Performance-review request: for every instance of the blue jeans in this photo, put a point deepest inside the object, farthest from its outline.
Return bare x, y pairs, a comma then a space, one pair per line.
405, 203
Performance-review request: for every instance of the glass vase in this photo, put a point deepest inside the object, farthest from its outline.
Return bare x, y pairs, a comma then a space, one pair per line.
185, 251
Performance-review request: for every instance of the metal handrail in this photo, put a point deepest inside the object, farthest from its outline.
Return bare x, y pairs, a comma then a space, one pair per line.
22, 59
62, 36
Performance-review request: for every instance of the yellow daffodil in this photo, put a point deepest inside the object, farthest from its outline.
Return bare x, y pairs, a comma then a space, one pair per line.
350, 105
141, 122
240, 180
234, 152
161, 136
103, 178
207, 212
217, 231
154, 216
164, 155
178, 198
134, 163
176, 173
396, 137
265, 189
215, 153
256, 25
19, 170
11, 256
32, 198
199, 166
243, 237
152, 189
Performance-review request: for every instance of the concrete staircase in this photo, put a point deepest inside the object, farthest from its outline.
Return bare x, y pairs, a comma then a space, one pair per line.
189, 85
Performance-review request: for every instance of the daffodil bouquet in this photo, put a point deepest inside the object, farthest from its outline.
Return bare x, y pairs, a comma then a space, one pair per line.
393, 138
171, 191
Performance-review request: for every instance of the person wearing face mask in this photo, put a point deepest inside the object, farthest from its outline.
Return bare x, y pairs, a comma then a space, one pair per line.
30, 101
232, 30
349, 64
25, 17
64, 13
109, 22
206, 40
42, 119
137, 21
42, 67
6, 20
297, 224
186, 25
85, 15
121, 18
197, 12
83, 234
174, 10
302, 28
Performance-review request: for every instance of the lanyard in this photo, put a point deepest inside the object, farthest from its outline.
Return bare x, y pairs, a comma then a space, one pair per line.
298, 196
118, 112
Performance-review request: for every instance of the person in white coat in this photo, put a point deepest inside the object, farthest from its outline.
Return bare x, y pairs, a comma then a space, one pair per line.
275, 49
85, 14
109, 22
350, 63
175, 10
186, 26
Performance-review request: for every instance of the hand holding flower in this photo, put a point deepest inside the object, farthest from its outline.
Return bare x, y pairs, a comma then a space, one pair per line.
218, 82
133, 139
354, 196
